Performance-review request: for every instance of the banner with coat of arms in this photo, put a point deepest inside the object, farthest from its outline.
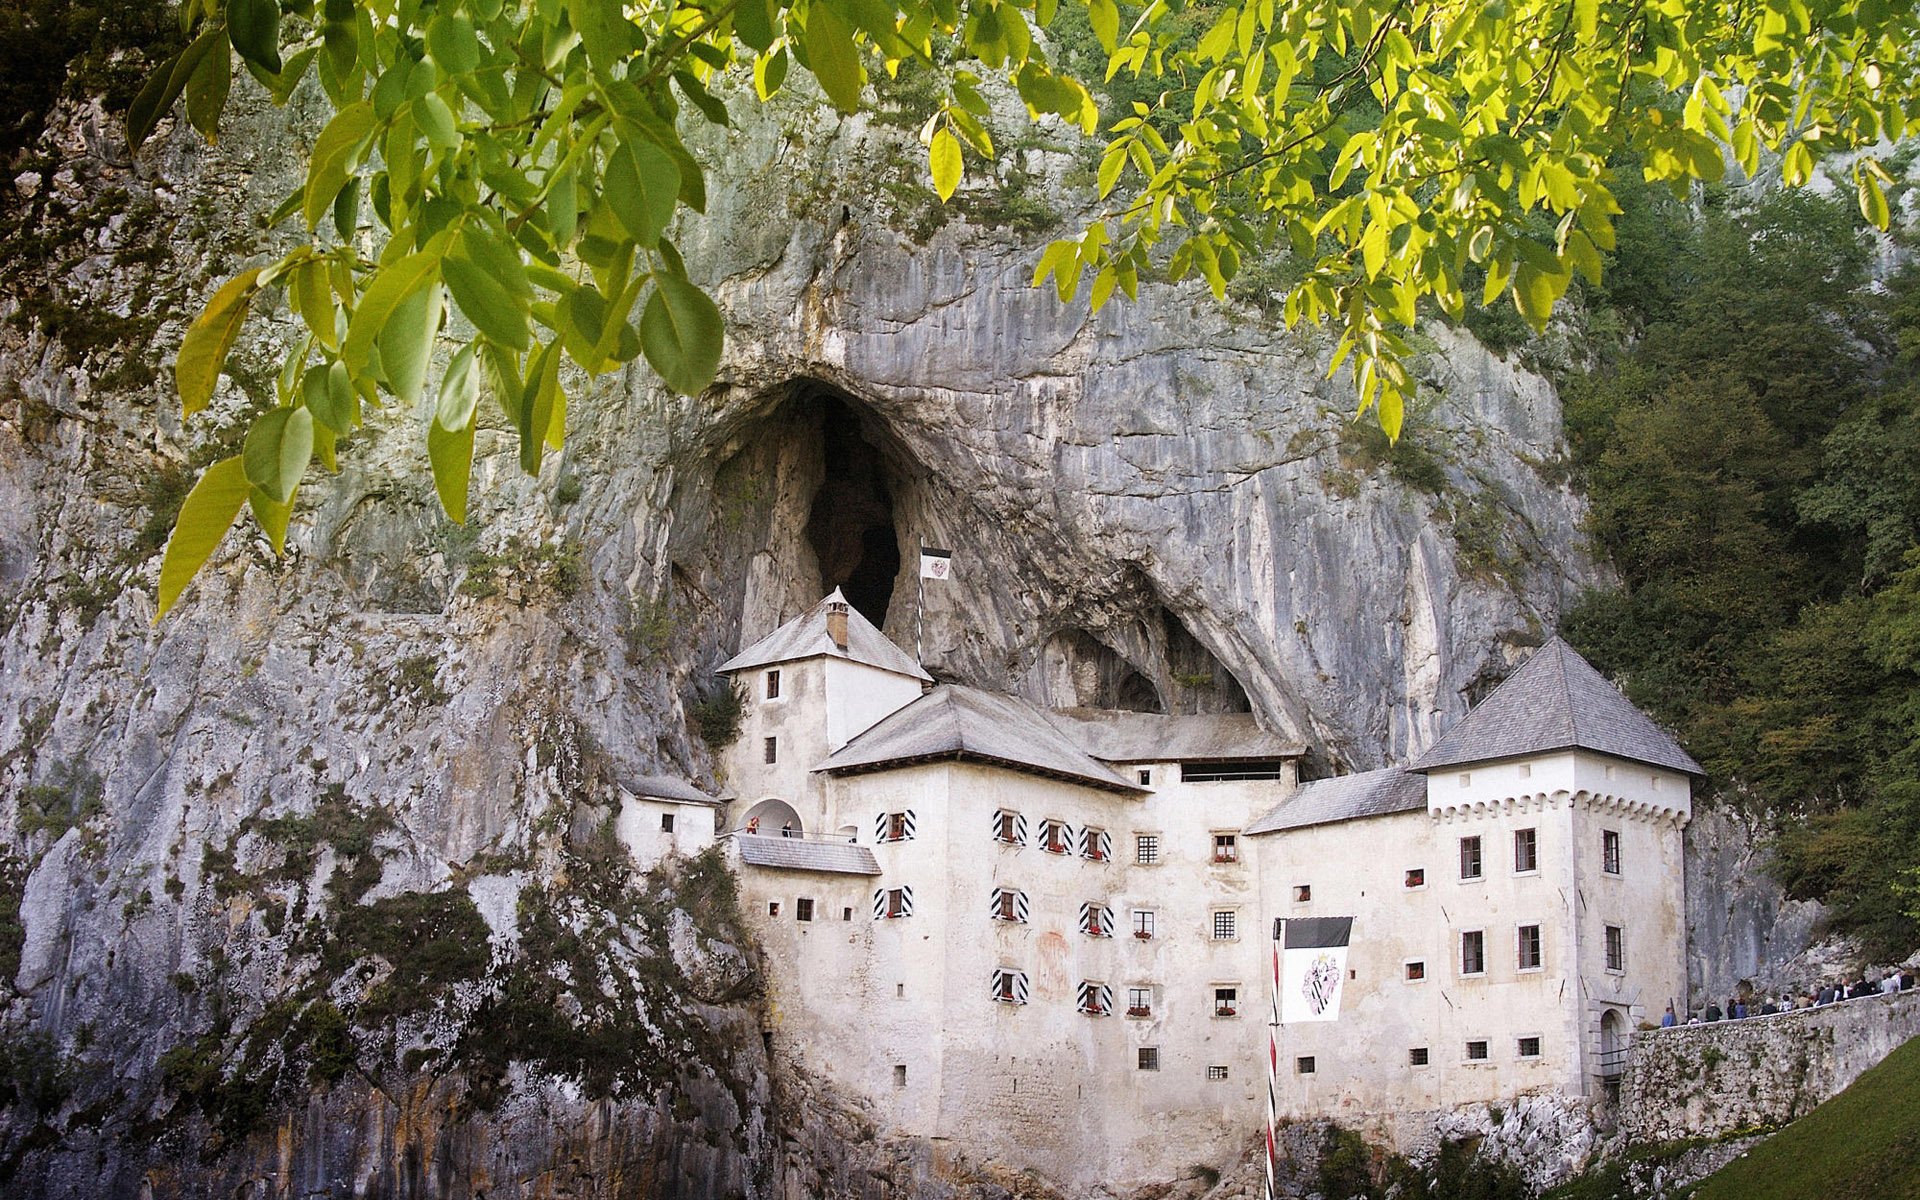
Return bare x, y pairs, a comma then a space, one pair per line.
1313, 967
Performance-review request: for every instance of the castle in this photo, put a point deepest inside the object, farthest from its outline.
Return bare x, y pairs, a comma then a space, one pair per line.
1046, 934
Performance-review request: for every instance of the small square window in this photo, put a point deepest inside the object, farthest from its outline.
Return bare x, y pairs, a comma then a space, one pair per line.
899, 1075
1145, 776
1416, 971
1466, 779
1216, 1074
1610, 851
1149, 1058
1526, 850
1417, 1057
1477, 1050
1529, 1047
666, 822
1302, 892
1416, 877
1616, 948
771, 749
1526, 771
1527, 956
846, 914
773, 685
1139, 1001
1146, 849
1224, 925
1143, 924
1470, 857
1473, 952
1303, 1065
803, 909
1226, 848
1226, 1002
773, 908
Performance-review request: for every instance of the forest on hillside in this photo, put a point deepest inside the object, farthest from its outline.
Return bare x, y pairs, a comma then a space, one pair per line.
1748, 430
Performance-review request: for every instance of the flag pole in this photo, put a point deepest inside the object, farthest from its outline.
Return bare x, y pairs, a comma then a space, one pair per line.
1273, 1059
920, 606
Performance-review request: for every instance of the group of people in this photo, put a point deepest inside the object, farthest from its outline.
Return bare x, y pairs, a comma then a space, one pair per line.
1745, 1004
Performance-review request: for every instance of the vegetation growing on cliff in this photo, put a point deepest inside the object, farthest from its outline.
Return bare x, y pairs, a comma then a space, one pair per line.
1753, 459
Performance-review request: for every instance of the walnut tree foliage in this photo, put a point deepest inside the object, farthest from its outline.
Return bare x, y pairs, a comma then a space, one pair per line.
524, 161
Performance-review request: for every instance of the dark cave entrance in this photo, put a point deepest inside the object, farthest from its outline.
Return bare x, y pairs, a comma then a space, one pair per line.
851, 524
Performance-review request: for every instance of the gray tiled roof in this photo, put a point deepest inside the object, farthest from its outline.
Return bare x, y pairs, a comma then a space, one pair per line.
1345, 797
662, 787
806, 637
1114, 736
1556, 701
961, 722
800, 854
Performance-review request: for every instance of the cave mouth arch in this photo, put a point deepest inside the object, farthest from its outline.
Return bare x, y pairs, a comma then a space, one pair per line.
851, 524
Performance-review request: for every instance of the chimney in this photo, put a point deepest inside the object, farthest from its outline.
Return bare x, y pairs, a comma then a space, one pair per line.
837, 623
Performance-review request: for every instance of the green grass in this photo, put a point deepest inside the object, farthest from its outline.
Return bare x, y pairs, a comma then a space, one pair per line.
1863, 1144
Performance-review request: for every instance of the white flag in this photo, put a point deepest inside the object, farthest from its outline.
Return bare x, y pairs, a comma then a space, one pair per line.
1313, 967
935, 563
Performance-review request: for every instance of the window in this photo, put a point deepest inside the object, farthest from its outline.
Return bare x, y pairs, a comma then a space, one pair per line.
1610, 851
1224, 925
1302, 892
893, 902
1470, 858
1616, 948
1149, 1058
1216, 1074
1247, 769
1529, 1047
1526, 771
1466, 779
1096, 845
899, 1075
1096, 998
1146, 849
1009, 828
1096, 919
1009, 904
803, 909
1416, 877
894, 827
1477, 1050
1527, 956
666, 822
1226, 848
1143, 923
772, 749
1416, 970
1139, 1001
899, 991
773, 908
1226, 1002
1473, 952
1056, 837
773, 685
846, 914
1145, 776
1009, 985
1303, 1065
1417, 1057
1526, 850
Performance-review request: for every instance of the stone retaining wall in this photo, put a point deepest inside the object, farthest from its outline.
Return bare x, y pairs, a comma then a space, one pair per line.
1709, 1080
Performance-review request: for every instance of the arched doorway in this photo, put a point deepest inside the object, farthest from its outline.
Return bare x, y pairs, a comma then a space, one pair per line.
1613, 1045
772, 817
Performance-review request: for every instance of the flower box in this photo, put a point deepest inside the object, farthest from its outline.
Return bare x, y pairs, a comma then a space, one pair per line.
1143, 934
1139, 1012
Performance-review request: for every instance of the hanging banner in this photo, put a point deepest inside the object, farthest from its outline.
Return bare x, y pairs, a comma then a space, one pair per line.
1313, 967
935, 563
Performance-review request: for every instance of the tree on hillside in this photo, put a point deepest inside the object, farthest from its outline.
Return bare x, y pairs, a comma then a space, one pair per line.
525, 158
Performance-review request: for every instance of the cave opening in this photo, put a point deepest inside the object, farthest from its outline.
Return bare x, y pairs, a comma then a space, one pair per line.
851, 524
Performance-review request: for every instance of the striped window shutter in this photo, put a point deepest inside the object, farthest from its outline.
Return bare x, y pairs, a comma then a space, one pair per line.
1104, 915
1066, 838
1020, 829
880, 828
906, 900
880, 904
1019, 987
994, 901
907, 823
1020, 910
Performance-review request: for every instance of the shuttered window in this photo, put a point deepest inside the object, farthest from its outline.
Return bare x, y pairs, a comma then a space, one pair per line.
1096, 919
1096, 845
1096, 999
1009, 828
1056, 837
1009, 904
893, 902
1009, 985
893, 827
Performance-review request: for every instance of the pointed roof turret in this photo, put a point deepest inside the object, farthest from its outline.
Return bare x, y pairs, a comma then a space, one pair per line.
1556, 701
807, 636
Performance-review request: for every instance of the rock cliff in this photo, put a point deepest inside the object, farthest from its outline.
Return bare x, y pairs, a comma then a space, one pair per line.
314, 884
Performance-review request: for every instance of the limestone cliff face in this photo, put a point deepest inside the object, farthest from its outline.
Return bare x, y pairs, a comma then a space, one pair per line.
299, 869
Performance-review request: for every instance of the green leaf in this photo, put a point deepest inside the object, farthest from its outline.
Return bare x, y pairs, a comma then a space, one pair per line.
332, 161
642, 188
164, 86
278, 448
459, 390
832, 57
328, 394
603, 29
451, 41
1104, 15
1873, 201
451, 453
203, 352
682, 334
406, 344
207, 91
1535, 291
391, 285
753, 21
536, 405
489, 283
204, 519
943, 156
273, 516
254, 26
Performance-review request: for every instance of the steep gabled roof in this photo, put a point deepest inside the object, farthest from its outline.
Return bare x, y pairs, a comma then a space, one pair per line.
806, 637
952, 722
802, 854
1125, 737
1556, 701
1345, 797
